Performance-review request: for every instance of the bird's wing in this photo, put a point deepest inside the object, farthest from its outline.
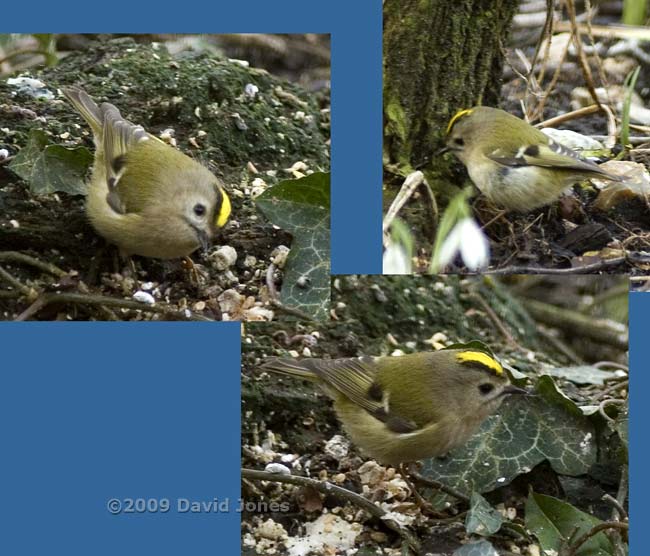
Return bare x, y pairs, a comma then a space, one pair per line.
353, 377
119, 137
549, 155
356, 380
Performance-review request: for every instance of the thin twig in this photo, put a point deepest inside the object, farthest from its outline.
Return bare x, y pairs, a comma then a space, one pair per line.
548, 35
639, 140
46, 299
611, 388
584, 269
291, 311
594, 531
328, 488
621, 495
582, 58
618, 507
432, 483
605, 331
411, 183
270, 283
25, 51
28, 292
15, 256
584, 111
604, 404
611, 126
560, 346
497, 322
610, 31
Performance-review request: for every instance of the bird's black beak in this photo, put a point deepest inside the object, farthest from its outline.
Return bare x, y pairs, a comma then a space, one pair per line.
512, 389
204, 239
442, 151
205, 242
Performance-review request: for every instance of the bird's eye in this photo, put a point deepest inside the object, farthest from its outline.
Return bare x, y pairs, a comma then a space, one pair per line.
485, 388
459, 141
199, 209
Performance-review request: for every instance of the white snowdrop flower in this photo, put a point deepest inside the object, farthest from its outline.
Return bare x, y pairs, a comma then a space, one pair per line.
396, 260
467, 238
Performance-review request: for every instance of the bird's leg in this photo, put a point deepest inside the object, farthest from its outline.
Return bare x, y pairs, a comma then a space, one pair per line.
424, 505
131, 268
492, 220
195, 276
190, 267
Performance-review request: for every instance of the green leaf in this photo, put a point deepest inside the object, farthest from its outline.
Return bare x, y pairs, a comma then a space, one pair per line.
50, 168
47, 46
480, 548
475, 345
553, 522
302, 208
482, 519
629, 84
527, 431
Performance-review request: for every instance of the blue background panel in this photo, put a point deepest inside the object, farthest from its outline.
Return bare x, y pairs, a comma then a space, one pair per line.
639, 420
94, 412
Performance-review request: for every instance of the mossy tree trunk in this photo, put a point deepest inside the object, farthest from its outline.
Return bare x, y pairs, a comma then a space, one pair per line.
439, 56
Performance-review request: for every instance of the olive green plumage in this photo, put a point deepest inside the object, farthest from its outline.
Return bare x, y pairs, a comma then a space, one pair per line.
402, 409
145, 196
513, 164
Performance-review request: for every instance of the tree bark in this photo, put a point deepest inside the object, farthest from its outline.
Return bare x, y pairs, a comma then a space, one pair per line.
439, 57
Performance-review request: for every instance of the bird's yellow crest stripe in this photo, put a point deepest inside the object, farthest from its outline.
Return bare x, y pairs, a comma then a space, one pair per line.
457, 117
224, 210
482, 359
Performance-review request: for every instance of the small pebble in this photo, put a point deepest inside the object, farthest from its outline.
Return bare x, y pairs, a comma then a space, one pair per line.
250, 261
279, 255
277, 468
144, 297
271, 530
251, 90
338, 447
224, 257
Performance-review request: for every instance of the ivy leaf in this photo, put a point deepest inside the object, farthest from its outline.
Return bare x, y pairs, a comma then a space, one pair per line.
528, 430
480, 548
475, 345
50, 168
553, 522
302, 207
482, 519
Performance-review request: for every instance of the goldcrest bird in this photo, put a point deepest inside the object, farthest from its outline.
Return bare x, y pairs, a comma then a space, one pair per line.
513, 164
145, 196
403, 409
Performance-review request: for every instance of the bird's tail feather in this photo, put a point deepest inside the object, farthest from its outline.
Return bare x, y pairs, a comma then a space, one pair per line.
87, 107
289, 367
